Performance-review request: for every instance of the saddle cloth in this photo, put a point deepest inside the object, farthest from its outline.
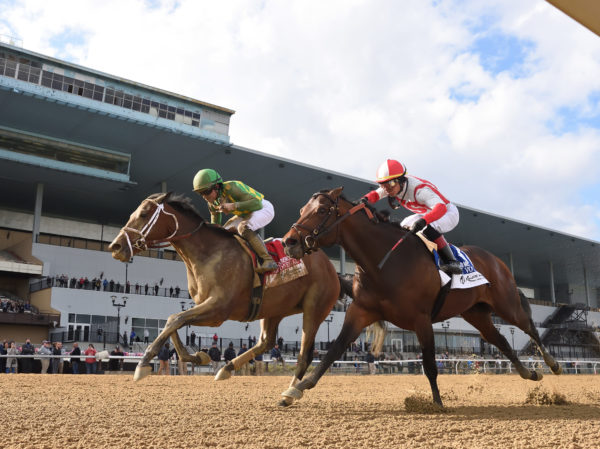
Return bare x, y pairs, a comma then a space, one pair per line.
470, 277
287, 270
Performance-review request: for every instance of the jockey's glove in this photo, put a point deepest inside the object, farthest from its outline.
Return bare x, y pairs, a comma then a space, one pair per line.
418, 225
364, 200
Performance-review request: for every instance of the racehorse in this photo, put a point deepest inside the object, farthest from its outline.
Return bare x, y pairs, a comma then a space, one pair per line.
404, 291
220, 281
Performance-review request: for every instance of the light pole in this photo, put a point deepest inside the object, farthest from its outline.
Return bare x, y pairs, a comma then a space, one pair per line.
512, 334
118, 306
328, 320
446, 325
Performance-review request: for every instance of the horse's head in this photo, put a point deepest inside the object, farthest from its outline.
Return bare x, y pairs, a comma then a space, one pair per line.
149, 223
317, 218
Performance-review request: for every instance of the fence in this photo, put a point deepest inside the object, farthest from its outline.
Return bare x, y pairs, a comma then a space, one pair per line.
411, 366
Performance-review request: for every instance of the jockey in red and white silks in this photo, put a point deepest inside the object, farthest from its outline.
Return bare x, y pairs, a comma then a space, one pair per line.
433, 212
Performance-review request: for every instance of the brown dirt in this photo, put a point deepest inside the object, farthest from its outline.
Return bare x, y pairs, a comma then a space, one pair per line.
64, 411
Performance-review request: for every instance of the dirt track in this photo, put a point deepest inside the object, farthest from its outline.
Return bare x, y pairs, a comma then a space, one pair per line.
342, 412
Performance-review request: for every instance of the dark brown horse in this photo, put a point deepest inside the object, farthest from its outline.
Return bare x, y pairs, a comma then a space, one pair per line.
220, 278
405, 289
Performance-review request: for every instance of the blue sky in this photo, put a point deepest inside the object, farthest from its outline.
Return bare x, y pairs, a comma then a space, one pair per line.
496, 102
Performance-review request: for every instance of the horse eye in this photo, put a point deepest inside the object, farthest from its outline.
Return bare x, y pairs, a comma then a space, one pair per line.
321, 210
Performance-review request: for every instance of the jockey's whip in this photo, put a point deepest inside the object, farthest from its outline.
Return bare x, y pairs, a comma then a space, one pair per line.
385, 258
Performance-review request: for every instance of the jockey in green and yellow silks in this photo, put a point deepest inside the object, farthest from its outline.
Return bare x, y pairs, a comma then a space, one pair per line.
252, 211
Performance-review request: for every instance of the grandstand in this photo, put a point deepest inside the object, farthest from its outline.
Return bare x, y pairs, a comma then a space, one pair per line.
79, 149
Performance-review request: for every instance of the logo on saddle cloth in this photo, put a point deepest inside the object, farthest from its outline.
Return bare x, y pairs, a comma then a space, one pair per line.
287, 270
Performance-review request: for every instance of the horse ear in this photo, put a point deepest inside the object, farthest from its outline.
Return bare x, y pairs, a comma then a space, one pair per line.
163, 198
336, 192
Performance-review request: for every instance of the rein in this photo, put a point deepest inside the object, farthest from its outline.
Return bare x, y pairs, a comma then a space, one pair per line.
141, 244
309, 242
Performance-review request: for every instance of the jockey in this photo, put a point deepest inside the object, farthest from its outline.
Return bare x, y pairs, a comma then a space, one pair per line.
252, 211
433, 212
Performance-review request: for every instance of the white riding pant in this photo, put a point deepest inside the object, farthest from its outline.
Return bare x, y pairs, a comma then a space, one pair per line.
445, 224
256, 220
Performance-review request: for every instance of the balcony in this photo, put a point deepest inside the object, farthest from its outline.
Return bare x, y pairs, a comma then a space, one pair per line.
31, 319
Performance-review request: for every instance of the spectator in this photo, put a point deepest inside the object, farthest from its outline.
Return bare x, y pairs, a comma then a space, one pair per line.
105, 284
45, 349
137, 288
215, 338
259, 365
111, 285
90, 361
229, 354
146, 289
177, 290
276, 356
75, 352
155, 289
280, 343
128, 287
27, 349
3, 351
215, 357
57, 362
125, 339
116, 364
132, 337
164, 355
244, 368
171, 291
11, 362
370, 359
146, 336
193, 339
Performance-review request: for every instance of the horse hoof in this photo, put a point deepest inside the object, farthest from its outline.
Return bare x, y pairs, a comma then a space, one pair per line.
292, 393
537, 375
202, 358
141, 371
557, 369
285, 402
223, 374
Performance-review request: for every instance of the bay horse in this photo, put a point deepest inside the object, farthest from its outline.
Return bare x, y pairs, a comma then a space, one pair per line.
404, 290
220, 280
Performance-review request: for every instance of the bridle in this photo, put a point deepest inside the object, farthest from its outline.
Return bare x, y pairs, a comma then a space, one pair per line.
141, 244
309, 242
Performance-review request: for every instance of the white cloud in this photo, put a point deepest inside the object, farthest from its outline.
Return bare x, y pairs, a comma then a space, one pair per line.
347, 84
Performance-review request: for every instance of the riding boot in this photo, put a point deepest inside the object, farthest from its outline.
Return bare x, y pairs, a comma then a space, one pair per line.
451, 265
268, 264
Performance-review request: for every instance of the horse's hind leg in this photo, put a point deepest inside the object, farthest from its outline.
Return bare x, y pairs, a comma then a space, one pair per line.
480, 317
268, 331
533, 333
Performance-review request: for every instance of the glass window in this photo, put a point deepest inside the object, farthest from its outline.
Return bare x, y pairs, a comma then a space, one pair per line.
162, 323
98, 319
83, 318
71, 317
151, 322
138, 322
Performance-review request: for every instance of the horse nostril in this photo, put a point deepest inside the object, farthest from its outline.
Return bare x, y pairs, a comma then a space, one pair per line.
290, 242
114, 247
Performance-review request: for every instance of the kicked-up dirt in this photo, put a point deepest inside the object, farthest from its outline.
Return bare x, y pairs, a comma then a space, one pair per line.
482, 411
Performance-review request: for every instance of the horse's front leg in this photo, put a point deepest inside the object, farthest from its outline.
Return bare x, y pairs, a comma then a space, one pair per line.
204, 313
268, 333
424, 331
199, 358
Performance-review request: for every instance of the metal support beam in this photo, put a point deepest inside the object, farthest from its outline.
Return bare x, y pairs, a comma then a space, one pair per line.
552, 291
163, 186
587, 288
37, 213
512, 266
342, 260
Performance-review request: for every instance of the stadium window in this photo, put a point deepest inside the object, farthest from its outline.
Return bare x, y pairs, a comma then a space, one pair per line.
10, 69
81, 318
98, 93
127, 101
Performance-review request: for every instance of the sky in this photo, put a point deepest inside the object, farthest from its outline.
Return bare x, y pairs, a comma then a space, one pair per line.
497, 102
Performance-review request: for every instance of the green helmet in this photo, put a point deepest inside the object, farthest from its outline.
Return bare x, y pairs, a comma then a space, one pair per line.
205, 179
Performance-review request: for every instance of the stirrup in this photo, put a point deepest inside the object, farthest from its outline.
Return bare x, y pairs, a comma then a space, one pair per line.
266, 266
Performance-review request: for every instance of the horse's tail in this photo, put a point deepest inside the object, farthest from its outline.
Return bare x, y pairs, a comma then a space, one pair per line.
376, 333
345, 285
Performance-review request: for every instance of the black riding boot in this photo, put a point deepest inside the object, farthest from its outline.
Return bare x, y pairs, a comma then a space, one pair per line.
451, 265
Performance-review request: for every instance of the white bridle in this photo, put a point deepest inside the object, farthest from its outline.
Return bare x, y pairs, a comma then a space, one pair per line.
140, 243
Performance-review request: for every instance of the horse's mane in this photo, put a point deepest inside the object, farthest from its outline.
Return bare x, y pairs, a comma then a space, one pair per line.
383, 216
184, 204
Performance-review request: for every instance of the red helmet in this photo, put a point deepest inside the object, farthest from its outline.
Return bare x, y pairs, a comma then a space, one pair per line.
390, 169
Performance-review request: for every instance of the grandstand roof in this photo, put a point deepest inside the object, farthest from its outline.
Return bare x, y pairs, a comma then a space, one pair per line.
149, 151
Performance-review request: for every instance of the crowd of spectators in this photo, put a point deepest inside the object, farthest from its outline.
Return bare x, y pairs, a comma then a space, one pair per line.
12, 306
100, 283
